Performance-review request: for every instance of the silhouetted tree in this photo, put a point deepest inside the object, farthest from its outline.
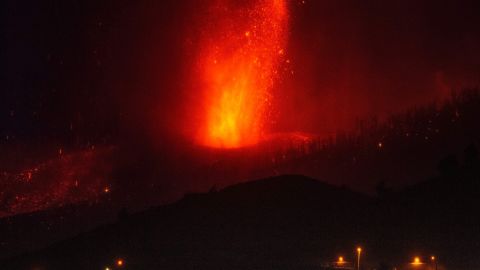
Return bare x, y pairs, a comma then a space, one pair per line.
448, 166
384, 266
381, 189
122, 214
213, 189
471, 155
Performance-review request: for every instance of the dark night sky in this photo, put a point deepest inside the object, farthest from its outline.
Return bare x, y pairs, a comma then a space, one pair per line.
82, 73
78, 71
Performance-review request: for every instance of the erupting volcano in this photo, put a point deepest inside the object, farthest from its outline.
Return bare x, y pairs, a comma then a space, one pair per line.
240, 50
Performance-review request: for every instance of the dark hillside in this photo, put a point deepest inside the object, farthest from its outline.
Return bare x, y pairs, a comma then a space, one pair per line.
277, 222
286, 222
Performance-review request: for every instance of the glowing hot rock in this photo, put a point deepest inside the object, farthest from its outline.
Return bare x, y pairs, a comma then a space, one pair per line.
239, 56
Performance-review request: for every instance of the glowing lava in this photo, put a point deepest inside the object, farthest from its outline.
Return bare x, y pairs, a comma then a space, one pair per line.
239, 56
68, 178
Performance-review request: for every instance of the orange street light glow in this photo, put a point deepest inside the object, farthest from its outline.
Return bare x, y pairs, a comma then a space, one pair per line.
359, 250
119, 262
340, 259
416, 261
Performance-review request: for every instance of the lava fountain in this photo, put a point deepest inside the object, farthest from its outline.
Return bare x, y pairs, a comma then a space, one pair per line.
241, 47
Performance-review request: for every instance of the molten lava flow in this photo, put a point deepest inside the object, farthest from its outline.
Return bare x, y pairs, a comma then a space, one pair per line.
68, 178
239, 54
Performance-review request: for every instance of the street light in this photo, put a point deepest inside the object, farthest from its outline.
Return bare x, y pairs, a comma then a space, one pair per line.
434, 261
416, 261
359, 251
340, 260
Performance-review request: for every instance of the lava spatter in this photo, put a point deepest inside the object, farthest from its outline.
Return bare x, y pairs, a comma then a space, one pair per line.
240, 50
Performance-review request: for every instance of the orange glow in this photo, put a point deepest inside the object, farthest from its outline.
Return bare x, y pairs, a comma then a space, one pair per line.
119, 262
239, 57
416, 261
340, 260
